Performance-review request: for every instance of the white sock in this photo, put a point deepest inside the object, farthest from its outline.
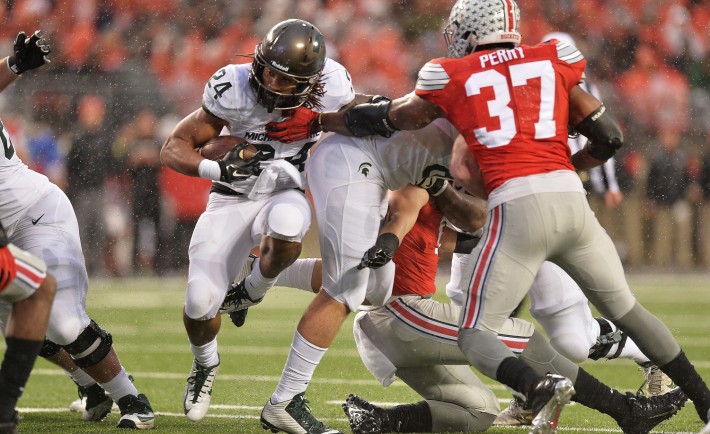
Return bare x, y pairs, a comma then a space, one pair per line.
119, 386
81, 378
298, 275
630, 350
206, 355
300, 365
256, 284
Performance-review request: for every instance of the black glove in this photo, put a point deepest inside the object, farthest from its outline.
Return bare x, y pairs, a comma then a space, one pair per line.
29, 53
381, 253
238, 317
233, 166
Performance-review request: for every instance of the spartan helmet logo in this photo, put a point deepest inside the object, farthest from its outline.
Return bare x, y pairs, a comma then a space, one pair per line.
364, 169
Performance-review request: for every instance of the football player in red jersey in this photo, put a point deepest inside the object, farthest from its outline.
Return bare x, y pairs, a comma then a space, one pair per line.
513, 104
412, 336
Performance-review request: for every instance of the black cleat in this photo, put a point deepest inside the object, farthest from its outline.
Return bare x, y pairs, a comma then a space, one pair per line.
238, 317
136, 412
366, 418
9, 426
237, 298
647, 412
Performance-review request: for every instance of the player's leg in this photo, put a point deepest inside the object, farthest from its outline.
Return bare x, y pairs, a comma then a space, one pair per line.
92, 402
55, 239
454, 400
348, 211
30, 295
219, 247
280, 226
416, 337
595, 265
502, 269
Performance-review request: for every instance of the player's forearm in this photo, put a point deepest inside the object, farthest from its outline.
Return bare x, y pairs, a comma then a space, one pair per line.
464, 211
7, 77
179, 155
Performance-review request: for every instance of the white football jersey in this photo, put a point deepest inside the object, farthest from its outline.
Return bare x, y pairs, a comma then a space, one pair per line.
20, 187
229, 96
414, 157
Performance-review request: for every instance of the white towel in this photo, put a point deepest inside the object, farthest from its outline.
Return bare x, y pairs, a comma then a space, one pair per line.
375, 361
266, 182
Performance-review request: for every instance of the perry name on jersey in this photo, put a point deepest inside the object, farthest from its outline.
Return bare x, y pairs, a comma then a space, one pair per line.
229, 96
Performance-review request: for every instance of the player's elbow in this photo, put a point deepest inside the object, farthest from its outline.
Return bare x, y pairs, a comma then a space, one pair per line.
604, 134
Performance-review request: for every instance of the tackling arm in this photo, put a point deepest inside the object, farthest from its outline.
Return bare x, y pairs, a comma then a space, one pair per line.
382, 117
464, 211
178, 152
402, 212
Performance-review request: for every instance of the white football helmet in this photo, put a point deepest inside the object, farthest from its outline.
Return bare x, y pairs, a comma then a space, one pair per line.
478, 22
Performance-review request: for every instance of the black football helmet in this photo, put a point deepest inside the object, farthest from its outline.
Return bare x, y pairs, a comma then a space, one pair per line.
296, 49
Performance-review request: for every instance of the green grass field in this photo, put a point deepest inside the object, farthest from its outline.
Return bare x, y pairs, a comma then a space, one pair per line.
144, 316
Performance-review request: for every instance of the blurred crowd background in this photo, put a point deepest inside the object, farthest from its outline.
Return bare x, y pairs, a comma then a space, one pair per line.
124, 72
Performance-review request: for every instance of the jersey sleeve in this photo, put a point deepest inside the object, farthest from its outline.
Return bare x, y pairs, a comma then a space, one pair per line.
572, 64
220, 96
338, 86
432, 82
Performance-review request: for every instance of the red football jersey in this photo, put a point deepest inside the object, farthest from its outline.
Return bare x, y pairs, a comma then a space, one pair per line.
511, 106
416, 258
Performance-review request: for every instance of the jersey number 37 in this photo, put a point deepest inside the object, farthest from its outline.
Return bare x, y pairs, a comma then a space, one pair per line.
498, 107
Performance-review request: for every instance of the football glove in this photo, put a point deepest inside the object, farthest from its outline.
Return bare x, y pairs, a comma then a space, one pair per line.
381, 253
303, 124
29, 53
234, 167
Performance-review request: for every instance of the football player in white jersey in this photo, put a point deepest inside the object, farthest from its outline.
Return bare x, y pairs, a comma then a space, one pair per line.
349, 179
256, 201
40, 219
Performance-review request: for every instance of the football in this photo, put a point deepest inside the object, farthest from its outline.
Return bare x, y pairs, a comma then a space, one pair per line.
217, 148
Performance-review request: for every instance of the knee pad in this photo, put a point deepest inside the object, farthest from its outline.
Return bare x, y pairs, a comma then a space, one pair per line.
285, 221
91, 347
49, 349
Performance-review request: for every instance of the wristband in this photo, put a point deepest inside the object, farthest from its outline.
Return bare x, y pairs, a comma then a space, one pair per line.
12, 66
209, 169
388, 242
436, 190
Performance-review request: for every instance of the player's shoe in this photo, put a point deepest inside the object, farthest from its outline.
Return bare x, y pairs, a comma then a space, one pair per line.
517, 414
366, 418
547, 400
10, 426
655, 381
706, 430
293, 417
136, 412
647, 412
198, 391
93, 403
237, 297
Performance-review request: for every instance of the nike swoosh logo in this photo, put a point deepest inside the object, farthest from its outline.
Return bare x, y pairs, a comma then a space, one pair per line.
34, 221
